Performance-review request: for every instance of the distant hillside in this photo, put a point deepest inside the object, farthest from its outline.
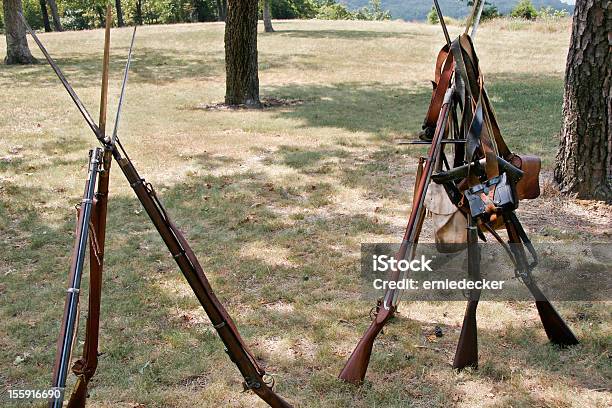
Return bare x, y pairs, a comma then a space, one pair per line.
418, 9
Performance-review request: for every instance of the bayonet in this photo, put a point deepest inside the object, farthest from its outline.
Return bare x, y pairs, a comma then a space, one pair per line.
477, 19
442, 23
123, 87
255, 377
105, 69
64, 81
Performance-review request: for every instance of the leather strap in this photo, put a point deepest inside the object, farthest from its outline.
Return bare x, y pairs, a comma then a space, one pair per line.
445, 65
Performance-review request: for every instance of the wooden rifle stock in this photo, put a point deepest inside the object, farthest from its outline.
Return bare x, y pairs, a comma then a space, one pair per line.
85, 367
555, 327
182, 254
189, 265
467, 347
70, 319
354, 370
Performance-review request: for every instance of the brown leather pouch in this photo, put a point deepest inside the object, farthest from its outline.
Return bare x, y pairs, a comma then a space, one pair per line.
529, 186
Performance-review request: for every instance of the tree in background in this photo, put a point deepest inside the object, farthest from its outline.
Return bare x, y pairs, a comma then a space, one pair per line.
119, 11
524, 9
45, 15
221, 10
432, 16
56, 18
17, 51
267, 18
241, 74
584, 160
138, 12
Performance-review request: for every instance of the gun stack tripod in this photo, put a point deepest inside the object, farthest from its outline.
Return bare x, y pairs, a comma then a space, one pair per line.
483, 183
92, 224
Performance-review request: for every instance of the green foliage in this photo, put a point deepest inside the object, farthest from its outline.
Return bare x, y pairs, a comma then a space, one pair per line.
489, 12
334, 11
31, 11
549, 13
432, 16
524, 9
418, 9
373, 12
87, 14
290, 9
330, 10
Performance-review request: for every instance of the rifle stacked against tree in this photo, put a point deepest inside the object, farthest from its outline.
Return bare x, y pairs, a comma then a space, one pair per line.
485, 183
255, 378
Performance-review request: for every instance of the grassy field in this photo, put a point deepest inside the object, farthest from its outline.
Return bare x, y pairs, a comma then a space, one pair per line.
276, 204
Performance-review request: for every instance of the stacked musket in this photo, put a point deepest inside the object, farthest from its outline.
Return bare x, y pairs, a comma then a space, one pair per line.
94, 208
484, 181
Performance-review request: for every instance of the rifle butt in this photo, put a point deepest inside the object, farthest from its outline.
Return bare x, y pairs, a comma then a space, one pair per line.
79, 394
271, 398
354, 370
467, 348
556, 329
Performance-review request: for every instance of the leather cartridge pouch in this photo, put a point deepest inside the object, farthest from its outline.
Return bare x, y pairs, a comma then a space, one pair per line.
528, 187
449, 223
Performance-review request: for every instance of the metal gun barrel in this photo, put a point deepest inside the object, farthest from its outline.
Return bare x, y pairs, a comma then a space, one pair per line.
461, 172
69, 320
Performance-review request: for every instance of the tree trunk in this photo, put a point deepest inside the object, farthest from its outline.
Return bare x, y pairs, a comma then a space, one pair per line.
120, 22
101, 16
56, 19
138, 14
584, 160
221, 10
242, 81
45, 15
17, 51
267, 18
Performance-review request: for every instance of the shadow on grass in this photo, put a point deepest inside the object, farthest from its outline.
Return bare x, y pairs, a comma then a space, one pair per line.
345, 34
155, 337
528, 108
505, 356
148, 66
360, 107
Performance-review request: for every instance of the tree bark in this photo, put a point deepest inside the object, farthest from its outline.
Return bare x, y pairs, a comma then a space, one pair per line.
45, 16
101, 16
221, 10
120, 22
138, 14
584, 159
56, 18
242, 81
17, 51
267, 18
